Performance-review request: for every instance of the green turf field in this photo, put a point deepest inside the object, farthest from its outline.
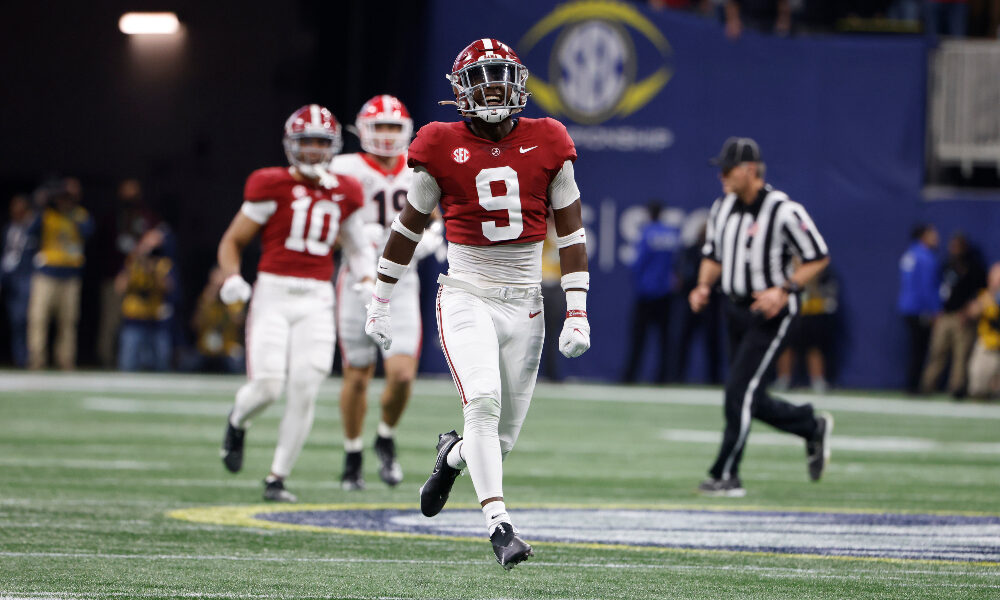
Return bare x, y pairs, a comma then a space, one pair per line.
111, 487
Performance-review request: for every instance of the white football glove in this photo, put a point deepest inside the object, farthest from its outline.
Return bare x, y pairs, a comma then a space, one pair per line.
364, 289
235, 289
575, 337
377, 324
432, 239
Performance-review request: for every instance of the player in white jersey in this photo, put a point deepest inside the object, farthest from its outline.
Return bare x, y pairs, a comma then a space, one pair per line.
495, 179
385, 128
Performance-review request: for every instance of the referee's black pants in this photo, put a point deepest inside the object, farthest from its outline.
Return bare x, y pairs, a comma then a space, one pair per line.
754, 344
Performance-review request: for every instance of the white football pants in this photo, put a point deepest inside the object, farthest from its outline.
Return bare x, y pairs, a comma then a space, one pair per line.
492, 346
289, 335
356, 348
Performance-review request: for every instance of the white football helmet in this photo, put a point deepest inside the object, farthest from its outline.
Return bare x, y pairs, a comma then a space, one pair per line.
384, 109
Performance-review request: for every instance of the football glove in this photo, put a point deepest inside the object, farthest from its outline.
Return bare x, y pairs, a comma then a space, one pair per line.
377, 324
364, 289
575, 337
432, 239
235, 289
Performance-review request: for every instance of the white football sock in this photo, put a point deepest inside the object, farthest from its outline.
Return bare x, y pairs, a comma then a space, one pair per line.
495, 513
385, 431
481, 447
353, 444
455, 458
300, 407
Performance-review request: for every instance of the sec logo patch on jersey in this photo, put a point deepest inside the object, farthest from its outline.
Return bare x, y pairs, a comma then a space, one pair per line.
460, 155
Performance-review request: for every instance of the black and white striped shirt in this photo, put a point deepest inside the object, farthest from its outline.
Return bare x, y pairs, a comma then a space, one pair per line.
755, 243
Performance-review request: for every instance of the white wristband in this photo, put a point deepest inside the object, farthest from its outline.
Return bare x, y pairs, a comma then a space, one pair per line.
398, 226
577, 237
391, 269
576, 300
576, 279
383, 290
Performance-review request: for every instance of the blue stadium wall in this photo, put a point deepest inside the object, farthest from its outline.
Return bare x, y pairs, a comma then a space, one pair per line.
840, 122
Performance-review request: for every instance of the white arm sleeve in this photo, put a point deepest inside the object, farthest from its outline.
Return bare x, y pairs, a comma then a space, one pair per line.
563, 190
259, 212
359, 251
424, 191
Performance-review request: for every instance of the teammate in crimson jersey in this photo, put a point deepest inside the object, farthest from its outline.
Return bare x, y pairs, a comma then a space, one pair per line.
495, 178
385, 128
298, 212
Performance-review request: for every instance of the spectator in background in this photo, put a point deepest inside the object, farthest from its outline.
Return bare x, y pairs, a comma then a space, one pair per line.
16, 268
919, 301
145, 285
984, 367
812, 334
553, 304
708, 319
946, 17
218, 330
766, 16
62, 228
953, 333
118, 233
653, 276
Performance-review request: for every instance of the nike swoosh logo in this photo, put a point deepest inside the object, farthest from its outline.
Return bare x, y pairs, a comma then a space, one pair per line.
532, 315
523, 149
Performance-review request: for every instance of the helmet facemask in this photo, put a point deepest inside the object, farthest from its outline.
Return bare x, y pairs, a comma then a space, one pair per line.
491, 89
384, 141
312, 152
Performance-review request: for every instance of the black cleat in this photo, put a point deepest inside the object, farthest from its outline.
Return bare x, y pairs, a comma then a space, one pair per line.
232, 447
388, 470
508, 547
728, 488
434, 492
351, 479
818, 448
274, 491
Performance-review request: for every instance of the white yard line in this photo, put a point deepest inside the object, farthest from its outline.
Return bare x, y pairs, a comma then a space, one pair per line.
841, 442
856, 571
202, 385
82, 463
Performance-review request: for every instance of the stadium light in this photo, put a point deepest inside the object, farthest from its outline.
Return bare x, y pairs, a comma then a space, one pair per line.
149, 23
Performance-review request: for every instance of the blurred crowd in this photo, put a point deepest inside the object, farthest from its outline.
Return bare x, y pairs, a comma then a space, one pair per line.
953, 18
664, 272
951, 307
47, 241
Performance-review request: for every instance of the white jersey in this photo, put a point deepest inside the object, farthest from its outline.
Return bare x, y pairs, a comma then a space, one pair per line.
384, 190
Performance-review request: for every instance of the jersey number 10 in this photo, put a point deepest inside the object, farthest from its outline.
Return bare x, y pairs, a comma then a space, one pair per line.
299, 240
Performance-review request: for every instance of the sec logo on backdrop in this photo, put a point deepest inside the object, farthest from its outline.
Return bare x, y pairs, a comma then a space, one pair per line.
593, 73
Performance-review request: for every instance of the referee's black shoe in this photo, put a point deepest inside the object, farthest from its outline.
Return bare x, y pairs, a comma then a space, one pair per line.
232, 447
818, 448
508, 547
434, 492
729, 488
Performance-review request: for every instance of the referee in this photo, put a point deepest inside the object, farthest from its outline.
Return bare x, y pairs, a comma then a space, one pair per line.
753, 232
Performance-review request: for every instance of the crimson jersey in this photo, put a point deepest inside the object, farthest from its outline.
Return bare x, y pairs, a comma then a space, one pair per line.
493, 192
300, 221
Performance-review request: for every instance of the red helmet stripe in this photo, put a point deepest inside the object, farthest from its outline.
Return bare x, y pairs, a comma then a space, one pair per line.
487, 44
314, 115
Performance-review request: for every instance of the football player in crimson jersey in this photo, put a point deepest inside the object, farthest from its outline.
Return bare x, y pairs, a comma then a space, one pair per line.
298, 212
385, 128
494, 178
